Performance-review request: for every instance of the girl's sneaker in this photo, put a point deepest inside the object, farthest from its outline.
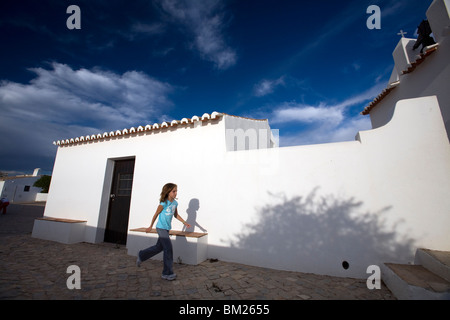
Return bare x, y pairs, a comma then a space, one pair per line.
138, 261
169, 277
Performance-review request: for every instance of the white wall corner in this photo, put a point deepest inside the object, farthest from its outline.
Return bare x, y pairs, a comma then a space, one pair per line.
404, 55
394, 76
438, 15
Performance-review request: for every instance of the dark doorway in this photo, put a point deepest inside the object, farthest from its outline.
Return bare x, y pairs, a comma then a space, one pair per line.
119, 202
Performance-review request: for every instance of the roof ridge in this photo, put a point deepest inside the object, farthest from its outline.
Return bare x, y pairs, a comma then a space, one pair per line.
205, 117
247, 118
420, 58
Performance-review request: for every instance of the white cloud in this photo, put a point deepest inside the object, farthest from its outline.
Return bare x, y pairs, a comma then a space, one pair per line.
323, 112
367, 95
267, 86
65, 95
325, 134
64, 103
202, 20
148, 29
294, 112
139, 30
393, 7
326, 122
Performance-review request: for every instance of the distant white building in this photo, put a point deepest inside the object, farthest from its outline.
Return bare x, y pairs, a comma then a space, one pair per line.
19, 189
328, 209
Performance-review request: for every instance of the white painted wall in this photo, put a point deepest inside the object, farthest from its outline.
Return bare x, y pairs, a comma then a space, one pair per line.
365, 202
41, 197
432, 77
13, 188
309, 209
305, 208
82, 173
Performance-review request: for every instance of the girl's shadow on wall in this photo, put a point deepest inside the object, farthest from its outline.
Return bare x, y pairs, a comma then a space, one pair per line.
181, 241
194, 205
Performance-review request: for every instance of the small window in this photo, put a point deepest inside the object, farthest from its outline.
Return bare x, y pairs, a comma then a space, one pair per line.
26, 189
125, 184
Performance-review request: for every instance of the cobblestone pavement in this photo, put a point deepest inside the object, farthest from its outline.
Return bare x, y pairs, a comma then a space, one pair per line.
37, 269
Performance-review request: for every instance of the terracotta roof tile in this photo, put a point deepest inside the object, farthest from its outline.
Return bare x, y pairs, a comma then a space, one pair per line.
429, 50
155, 126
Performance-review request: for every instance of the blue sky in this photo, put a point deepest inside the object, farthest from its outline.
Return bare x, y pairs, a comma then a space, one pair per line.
309, 67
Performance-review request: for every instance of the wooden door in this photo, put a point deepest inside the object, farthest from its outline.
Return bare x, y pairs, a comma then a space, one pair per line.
119, 202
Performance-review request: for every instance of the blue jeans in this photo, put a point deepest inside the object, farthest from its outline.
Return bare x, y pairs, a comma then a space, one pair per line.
163, 244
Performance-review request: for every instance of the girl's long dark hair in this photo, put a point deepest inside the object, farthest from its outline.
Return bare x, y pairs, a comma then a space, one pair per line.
166, 190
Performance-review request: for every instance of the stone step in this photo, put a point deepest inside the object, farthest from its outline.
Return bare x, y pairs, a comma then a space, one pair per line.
436, 261
410, 282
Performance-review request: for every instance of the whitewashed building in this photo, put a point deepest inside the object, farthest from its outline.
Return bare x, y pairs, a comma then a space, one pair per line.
20, 189
328, 209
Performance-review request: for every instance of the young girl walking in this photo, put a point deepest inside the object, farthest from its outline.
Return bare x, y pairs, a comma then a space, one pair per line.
166, 210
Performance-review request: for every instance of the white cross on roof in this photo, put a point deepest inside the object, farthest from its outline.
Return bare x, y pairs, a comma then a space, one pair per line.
402, 33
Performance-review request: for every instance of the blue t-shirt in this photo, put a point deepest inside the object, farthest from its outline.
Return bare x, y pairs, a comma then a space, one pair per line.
165, 217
